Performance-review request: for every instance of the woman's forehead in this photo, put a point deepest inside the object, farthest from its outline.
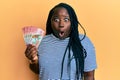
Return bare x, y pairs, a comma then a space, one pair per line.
60, 11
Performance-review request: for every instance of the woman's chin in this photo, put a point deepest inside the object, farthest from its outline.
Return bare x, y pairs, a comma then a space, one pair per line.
62, 37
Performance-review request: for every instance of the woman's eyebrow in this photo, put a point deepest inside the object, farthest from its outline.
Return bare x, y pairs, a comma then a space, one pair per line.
56, 16
67, 16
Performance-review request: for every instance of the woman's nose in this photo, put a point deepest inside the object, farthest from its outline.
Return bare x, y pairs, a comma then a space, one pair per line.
61, 23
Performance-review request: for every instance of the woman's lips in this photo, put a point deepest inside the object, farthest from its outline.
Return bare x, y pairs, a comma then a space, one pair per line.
61, 34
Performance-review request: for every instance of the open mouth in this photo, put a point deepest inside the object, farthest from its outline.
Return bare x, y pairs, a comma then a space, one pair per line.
61, 34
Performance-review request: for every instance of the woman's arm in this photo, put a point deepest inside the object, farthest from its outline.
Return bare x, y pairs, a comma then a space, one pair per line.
34, 66
31, 54
89, 75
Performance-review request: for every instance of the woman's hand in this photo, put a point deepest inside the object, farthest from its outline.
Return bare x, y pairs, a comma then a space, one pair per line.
31, 53
89, 75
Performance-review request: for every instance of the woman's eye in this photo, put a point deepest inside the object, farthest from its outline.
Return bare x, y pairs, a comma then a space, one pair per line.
56, 20
66, 19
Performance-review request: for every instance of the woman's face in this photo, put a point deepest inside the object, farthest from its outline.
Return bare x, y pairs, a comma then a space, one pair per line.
60, 23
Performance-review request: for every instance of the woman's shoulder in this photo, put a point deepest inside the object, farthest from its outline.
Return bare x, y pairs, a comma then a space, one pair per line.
85, 40
46, 38
49, 38
84, 37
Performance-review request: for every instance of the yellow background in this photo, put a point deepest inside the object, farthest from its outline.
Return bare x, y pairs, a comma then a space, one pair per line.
101, 19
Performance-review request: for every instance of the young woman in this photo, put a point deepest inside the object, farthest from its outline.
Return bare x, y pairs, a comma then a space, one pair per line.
63, 54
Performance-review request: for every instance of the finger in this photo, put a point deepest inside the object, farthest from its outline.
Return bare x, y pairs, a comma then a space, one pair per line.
32, 54
29, 47
32, 51
33, 48
29, 50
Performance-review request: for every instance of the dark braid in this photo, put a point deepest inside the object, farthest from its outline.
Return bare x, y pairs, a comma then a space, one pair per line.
79, 52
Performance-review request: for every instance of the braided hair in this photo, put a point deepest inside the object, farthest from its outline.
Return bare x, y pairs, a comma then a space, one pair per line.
74, 43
